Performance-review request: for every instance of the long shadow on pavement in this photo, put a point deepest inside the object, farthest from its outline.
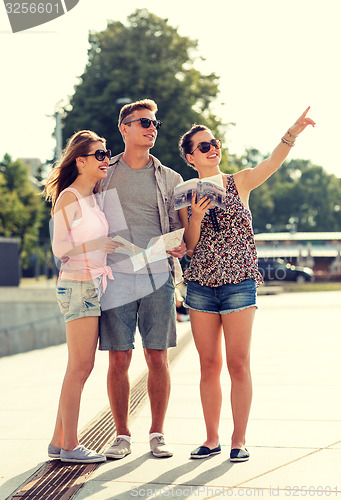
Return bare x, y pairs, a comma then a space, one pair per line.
166, 481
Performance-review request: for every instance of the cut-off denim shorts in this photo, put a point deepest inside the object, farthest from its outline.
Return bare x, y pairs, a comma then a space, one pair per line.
221, 299
79, 299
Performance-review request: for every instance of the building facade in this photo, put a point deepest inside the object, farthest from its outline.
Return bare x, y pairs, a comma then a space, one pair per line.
319, 251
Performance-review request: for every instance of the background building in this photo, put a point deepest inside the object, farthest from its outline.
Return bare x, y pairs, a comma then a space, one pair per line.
320, 251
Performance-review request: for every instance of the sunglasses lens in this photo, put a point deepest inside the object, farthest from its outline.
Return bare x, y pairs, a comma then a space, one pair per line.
204, 147
145, 122
100, 154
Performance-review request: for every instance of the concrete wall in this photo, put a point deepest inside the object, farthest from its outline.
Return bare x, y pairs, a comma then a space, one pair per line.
29, 319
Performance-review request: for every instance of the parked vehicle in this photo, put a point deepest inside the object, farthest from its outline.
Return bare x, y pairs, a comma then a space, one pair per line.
278, 269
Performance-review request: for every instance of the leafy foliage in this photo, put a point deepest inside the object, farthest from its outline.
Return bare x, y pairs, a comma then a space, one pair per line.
300, 196
21, 207
146, 58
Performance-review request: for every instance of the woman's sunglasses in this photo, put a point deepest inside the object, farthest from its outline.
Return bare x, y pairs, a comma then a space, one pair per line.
146, 122
204, 146
100, 154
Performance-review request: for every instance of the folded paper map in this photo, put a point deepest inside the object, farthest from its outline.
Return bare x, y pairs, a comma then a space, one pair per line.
156, 250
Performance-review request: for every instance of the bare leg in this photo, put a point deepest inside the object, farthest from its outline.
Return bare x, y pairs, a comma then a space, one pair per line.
207, 328
82, 337
237, 330
119, 388
158, 386
58, 434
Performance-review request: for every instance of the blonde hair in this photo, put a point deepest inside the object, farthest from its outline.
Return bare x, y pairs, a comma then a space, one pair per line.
128, 109
66, 171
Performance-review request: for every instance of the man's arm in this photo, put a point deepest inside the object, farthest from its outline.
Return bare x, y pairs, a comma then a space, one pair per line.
173, 215
174, 219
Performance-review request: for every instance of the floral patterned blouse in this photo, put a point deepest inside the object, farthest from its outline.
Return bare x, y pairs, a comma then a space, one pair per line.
227, 256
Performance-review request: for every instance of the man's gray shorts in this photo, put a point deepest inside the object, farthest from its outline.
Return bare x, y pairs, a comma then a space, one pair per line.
153, 311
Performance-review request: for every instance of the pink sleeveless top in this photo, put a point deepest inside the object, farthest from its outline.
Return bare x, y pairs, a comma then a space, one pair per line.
91, 225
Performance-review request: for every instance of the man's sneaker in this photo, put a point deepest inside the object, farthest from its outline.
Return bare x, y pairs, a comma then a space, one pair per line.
159, 448
81, 455
53, 451
119, 449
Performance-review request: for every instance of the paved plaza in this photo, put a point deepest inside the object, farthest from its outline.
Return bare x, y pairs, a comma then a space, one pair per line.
294, 433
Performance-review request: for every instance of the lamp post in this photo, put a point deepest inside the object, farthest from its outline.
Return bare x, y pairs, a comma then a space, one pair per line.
58, 135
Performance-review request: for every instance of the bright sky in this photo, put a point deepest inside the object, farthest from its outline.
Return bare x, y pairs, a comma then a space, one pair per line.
274, 58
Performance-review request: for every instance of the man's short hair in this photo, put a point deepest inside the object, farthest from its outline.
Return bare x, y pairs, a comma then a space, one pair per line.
128, 109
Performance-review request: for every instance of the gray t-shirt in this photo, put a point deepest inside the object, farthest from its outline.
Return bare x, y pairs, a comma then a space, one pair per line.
136, 190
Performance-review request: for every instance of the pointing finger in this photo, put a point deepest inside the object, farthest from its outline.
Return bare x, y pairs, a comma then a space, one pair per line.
302, 117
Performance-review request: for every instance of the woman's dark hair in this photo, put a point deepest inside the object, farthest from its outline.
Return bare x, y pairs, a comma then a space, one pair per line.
66, 172
186, 144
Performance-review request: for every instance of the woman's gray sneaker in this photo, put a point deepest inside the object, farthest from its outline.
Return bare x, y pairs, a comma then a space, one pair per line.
53, 451
81, 455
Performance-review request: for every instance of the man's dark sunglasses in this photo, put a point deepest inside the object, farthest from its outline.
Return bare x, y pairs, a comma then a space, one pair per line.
204, 146
145, 122
100, 154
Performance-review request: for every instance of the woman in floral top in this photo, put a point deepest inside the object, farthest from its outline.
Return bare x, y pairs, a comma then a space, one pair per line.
222, 279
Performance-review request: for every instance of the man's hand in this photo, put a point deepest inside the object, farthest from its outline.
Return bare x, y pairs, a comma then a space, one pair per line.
179, 251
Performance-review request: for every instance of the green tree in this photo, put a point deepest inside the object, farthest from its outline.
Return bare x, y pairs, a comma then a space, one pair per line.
146, 58
299, 196
20, 206
320, 195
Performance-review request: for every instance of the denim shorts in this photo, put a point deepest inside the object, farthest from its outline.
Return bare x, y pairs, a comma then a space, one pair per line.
153, 313
79, 299
221, 299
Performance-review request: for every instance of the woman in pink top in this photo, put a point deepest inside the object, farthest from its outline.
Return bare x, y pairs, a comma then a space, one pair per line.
80, 240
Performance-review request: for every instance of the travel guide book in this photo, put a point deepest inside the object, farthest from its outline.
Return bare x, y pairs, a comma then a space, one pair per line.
212, 187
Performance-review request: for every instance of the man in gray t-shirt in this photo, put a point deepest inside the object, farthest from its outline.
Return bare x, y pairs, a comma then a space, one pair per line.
138, 201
